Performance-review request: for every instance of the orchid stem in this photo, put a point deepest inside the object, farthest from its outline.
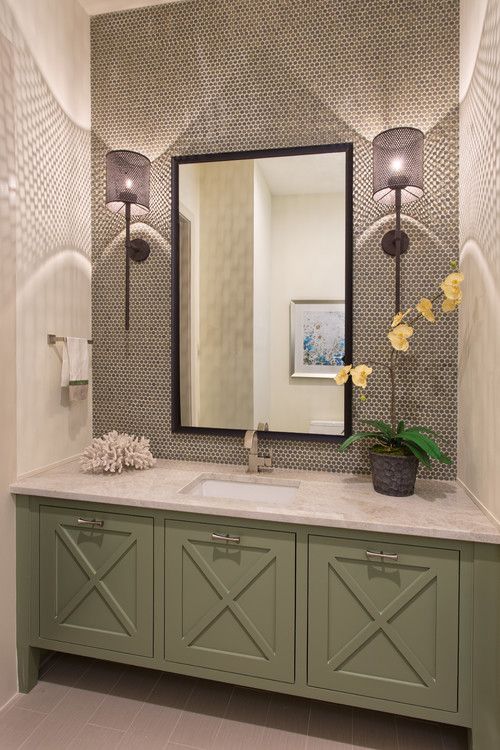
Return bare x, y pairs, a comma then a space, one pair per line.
392, 370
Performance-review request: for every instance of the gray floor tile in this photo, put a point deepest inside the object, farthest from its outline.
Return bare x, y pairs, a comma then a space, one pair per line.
97, 738
202, 716
287, 722
55, 683
16, 725
454, 738
159, 715
56, 731
44, 697
243, 726
85, 703
48, 663
102, 676
121, 706
68, 669
374, 730
330, 727
418, 735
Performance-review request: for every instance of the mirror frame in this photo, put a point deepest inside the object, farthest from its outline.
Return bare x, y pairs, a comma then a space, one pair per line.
176, 161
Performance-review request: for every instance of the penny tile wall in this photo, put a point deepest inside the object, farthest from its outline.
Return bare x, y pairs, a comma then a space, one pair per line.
218, 75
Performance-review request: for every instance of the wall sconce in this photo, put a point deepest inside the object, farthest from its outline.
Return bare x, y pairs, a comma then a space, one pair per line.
398, 177
127, 192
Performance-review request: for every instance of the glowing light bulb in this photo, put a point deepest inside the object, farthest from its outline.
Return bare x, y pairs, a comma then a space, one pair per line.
128, 183
397, 165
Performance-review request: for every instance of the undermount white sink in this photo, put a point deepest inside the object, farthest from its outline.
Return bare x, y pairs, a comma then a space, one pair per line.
242, 489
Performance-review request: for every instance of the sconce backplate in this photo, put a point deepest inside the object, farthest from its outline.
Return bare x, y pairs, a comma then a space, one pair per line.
138, 250
389, 243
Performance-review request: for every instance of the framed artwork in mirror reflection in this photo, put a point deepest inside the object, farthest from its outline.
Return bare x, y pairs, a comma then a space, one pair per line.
317, 338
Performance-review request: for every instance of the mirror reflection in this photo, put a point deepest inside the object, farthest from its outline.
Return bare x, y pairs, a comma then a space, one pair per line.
262, 292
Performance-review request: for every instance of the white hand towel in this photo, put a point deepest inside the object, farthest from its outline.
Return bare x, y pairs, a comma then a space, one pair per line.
75, 368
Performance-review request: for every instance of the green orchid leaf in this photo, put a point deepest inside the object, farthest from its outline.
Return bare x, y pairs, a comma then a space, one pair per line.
412, 432
426, 430
401, 427
362, 436
417, 452
428, 445
382, 426
431, 445
422, 442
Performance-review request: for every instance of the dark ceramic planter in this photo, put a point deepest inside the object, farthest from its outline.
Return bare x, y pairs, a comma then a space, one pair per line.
393, 475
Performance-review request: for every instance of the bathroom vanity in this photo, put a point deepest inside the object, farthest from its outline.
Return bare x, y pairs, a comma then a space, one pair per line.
300, 582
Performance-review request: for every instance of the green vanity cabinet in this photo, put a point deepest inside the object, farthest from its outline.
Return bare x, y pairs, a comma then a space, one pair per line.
305, 610
383, 620
96, 579
230, 598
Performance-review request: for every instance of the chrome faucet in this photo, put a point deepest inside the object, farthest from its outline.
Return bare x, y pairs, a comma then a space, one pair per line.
257, 460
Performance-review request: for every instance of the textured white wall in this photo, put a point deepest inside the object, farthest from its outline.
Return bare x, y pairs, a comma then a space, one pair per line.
226, 294
479, 341
308, 250
472, 14
57, 34
189, 205
52, 100
7, 368
45, 280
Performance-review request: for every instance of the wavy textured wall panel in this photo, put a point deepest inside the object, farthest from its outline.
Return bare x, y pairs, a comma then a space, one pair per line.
479, 361
50, 183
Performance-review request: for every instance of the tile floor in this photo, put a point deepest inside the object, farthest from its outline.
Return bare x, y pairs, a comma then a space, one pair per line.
82, 704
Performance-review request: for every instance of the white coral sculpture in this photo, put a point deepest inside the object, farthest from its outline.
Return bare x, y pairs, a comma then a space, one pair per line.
114, 452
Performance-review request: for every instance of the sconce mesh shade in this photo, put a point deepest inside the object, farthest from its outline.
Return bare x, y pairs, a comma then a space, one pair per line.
398, 162
127, 181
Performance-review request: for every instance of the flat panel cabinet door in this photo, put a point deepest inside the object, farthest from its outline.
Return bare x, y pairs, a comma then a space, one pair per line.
230, 605
385, 628
96, 583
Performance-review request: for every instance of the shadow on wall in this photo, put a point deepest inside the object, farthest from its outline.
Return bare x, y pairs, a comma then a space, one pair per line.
50, 185
479, 398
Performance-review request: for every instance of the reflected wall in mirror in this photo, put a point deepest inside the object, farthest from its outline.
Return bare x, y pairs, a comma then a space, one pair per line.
262, 260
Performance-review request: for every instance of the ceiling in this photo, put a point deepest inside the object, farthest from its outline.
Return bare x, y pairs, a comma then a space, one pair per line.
95, 7
304, 175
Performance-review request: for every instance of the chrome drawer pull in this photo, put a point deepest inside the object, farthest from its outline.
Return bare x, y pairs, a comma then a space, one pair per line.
382, 555
225, 538
90, 522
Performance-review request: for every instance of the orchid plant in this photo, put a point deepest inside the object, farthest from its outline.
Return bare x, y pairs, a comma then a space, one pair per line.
394, 437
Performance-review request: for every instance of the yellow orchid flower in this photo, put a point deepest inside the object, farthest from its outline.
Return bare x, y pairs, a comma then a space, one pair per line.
399, 337
424, 307
399, 317
360, 374
343, 375
450, 304
451, 286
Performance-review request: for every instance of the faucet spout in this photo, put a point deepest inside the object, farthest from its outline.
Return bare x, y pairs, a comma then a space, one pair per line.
257, 460
251, 441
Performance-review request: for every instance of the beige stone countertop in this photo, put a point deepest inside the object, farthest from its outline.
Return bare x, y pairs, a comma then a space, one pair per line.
438, 509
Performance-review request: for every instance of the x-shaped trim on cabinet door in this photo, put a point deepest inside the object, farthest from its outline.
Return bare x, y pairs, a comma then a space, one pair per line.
95, 581
380, 621
228, 599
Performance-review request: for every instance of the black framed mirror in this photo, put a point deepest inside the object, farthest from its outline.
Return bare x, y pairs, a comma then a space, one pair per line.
262, 292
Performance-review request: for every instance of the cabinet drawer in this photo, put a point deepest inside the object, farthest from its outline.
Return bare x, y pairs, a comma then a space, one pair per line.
96, 581
230, 605
384, 627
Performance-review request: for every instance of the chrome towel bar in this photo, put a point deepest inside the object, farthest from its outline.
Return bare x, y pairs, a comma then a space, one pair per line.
53, 339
